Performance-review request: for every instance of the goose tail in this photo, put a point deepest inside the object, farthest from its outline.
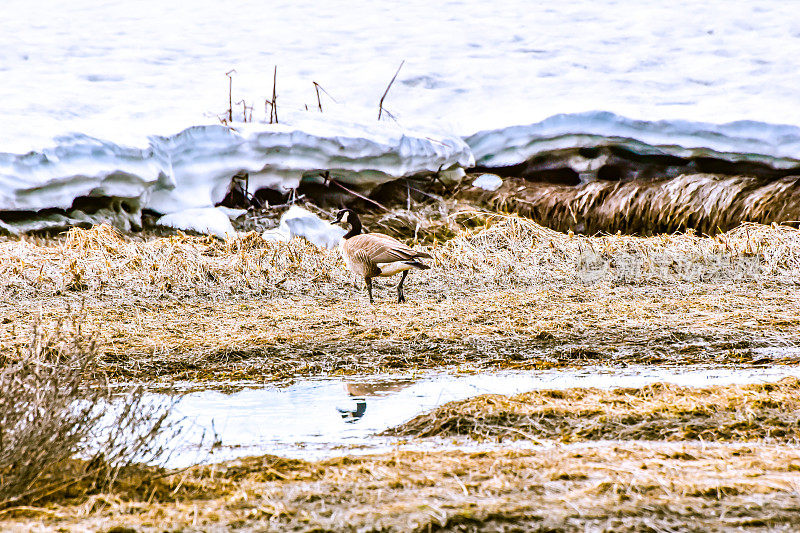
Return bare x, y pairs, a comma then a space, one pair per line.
418, 265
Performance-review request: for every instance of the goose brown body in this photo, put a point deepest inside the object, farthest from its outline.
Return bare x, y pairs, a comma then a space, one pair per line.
372, 255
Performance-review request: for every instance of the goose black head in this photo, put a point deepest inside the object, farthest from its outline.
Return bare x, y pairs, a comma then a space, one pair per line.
348, 216
342, 216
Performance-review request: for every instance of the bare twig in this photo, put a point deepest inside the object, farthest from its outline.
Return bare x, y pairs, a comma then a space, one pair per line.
61, 403
328, 179
245, 108
428, 194
380, 104
437, 177
274, 96
296, 199
230, 94
255, 202
318, 88
319, 102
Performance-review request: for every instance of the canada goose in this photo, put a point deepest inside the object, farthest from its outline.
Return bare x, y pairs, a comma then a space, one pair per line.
375, 254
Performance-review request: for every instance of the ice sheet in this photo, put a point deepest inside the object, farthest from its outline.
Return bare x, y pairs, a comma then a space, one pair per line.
100, 100
122, 75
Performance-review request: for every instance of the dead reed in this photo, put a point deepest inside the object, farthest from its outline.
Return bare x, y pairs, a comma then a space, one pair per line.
769, 411
505, 292
607, 487
380, 104
707, 203
503, 251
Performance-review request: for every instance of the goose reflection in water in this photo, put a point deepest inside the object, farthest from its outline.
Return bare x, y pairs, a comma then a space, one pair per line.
360, 391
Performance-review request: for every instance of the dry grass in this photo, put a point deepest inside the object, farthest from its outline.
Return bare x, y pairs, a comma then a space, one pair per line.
504, 251
706, 202
429, 223
57, 406
616, 487
768, 411
509, 294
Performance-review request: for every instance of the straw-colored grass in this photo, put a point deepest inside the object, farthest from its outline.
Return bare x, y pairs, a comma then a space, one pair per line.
610, 487
507, 294
768, 411
706, 202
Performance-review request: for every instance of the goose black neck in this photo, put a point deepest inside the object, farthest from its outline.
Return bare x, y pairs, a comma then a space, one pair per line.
355, 225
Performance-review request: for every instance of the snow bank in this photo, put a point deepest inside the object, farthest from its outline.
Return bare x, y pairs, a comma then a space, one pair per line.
193, 168
201, 160
297, 222
76, 166
745, 141
208, 220
231, 212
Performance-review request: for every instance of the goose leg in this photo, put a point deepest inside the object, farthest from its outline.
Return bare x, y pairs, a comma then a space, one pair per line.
368, 281
400, 297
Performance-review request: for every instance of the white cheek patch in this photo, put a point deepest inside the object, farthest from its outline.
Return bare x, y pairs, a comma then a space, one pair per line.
344, 217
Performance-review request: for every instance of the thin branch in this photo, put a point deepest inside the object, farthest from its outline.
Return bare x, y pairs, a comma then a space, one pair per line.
380, 104
296, 199
428, 194
321, 88
438, 177
327, 177
230, 93
274, 95
319, 102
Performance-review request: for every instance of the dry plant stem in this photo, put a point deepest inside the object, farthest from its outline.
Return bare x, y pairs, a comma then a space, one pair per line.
328, 180
318, 88
605, 487
380, 104
229, 74
707, 202
245, 108
57, 405
274, 107
319, 102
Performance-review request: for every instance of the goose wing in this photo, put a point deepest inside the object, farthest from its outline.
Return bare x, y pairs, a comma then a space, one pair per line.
381, 248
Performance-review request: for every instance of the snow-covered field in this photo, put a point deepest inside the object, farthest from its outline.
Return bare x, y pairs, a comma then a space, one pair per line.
132, 78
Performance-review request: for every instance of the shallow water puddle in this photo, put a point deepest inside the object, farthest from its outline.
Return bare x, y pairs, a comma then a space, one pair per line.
316, 418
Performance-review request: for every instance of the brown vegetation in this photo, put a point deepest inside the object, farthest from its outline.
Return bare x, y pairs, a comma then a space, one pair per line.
769, 411
707, 203
56, 406
503, 293
617, 487
506, 294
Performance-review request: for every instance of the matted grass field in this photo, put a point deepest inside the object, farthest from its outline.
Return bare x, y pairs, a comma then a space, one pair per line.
624, 486
505, 293
508, 293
